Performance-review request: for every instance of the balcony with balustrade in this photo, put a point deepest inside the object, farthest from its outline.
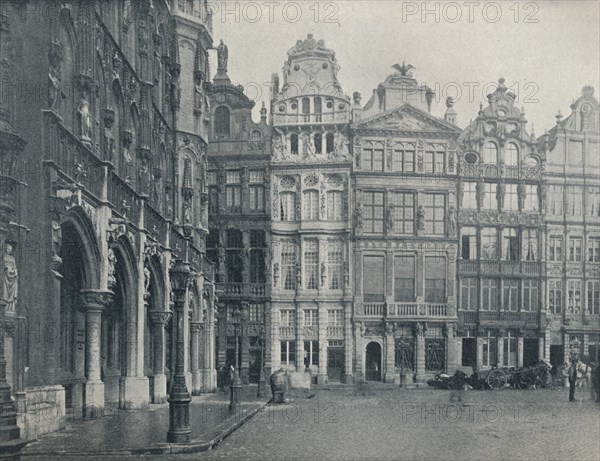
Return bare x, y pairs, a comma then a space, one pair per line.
401, 310
498, 318
499, 171
242, 290
313, 119
498, 268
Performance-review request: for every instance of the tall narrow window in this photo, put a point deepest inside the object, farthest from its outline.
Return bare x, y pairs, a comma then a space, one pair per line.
288, 206
510, 294
489, 349
530, 295
593, 297
468, 238
288, 266
594, 249
530, 244
489, 294
318, 109
555, 249
574, 296
404, 213
489, 243
288, 353
234, 256
555, 296
468, 294
335, 262
574, 200
575, 244
373, 279
222, 122
318, 143
306, 109
435, 279
490, 153
469, 201
294, 143
329, 143
556, 200
510, 349
311, 353
373, 212
490, 199
511, 198
510, 250
311, 205
233, 190
532, 201
435, 210
511, 154
592, 200
257, 191
404, 279
334, 206
311, 264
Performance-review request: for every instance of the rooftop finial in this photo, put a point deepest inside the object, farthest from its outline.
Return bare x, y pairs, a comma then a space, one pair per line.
405, 69
222, 57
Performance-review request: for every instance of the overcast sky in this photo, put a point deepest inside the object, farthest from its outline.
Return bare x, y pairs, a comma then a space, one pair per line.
546, 51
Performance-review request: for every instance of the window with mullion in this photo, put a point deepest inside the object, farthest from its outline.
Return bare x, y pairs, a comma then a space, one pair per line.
435, 279
468, 238
574, 296
594, 249
311, 205
511, 198
335, 262
373, 159
489, 294
311, 264
257, 197
530, 295
469, 200
555, 249
334, 206
288, 206
593, 297
404, 159
510, 289
373, 212
404, 212
435, 211
490, 200
575, 251
288, 266
404, 278
468, 294
555, 293
530, 244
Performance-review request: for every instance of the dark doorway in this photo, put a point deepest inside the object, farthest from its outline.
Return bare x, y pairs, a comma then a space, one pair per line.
373, 362
335, 363
557, 355
469, 352
530, 351
254, 366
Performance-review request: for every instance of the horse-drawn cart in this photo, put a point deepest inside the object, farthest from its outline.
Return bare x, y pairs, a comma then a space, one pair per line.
520, 378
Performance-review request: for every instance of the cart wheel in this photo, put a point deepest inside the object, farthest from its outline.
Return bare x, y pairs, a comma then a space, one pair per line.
497, 379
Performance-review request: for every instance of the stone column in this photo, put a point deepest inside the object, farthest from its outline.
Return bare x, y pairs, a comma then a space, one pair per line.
299, 339
348, 345
245, 344
420, 337
500, 349
275, 345
390, 350
452, 357
195, 331
93, 303
159, 321
322, 377
520, 351
479, 351
359, 373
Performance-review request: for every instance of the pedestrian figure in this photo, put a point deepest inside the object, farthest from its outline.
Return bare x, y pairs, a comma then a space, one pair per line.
572, 380
595, 381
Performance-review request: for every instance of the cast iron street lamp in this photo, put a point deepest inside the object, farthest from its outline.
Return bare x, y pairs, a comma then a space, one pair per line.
236, 383
402, 343
261, 378
179, 397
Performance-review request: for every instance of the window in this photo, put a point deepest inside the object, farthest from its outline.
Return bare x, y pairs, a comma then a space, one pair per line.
510, 349
489, 294
234, 191
213, 199
489, 349
435, 354
468, 294
318, 142
555, 249
530, 244
530, 295
222, 122
288, 206
404, 213
435, 210
234, 256
287, 318
335, 317
257, 266
435, 279
329, 143
510, 294
256, 136
511, 154
468, 238
318, 109
575, 244
490, 199
373, 159
294, 143
373, 279
532, 201
511, 198
288, 352
510, 247
334, 206
256, 312
404, 279
311, 353
257, 191
311, 205
404, 158
373, 212
306, 109
489, 243
311, 317
288, 266
574, 296
490, 153
434, 159
594, 249
335, 260
311, 264
574, 200
405, 353
469, 200
556, 200
593, 297
593, 201
555, 291
469, 350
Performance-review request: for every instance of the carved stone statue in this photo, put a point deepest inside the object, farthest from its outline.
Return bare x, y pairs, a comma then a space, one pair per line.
298, 275
112, 260
480, 191
307, 146
55, 93
222, 57
405, 70
275, 273
346, 275
147, 277
323, 274
500, 191
451, 220
56, 242
109, 139
341, 149
187, 212
419, 329
357, 97
10, 277
421, 218
358, 219
85, 120
521, 194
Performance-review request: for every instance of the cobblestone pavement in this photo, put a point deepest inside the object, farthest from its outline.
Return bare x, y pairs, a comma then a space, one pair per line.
418, 424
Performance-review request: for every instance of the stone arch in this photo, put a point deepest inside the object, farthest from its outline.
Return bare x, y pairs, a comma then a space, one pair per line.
373, 360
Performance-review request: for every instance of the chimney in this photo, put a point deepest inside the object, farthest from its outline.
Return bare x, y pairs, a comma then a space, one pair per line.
450, 115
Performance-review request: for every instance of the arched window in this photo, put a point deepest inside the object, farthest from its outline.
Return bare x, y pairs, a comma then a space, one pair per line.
306, 109
288, 206
294, 144
256, 136
511, 154
330, 147
311, 205
318, 143
318, 109
222, 128
490, 153
334, 205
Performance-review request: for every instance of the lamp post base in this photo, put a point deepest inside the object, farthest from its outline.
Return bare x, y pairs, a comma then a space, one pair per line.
235, 388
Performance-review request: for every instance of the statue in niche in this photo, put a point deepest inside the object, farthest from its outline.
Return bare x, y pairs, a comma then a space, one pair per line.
56, 243
109, 139
147, 278
85, 120
421, 218
55, 92
187, 212
451, 220
307, 146
10, 277
112, 261
341, 149
500, 195
323, 274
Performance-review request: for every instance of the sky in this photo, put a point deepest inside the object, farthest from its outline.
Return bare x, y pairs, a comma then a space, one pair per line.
546, 50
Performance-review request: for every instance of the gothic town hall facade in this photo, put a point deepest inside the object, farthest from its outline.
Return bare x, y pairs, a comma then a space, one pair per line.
352, 240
